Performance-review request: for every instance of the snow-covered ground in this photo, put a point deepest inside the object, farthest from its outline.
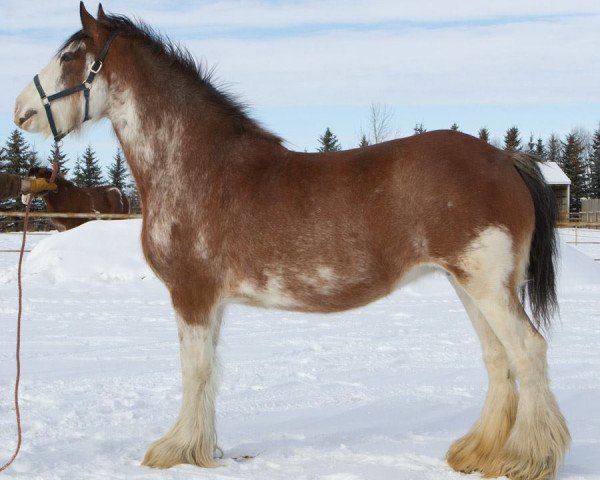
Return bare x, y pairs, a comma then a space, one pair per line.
375, 393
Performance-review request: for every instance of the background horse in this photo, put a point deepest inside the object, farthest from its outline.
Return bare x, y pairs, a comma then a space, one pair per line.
69, 198
231, 215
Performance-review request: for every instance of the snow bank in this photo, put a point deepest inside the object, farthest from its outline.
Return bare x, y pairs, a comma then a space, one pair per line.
104, 251
576, 269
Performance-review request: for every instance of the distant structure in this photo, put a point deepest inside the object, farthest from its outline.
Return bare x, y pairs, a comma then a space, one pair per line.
590, 210
561, 186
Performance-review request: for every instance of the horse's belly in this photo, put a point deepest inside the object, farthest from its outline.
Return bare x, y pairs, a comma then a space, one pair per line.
318, 291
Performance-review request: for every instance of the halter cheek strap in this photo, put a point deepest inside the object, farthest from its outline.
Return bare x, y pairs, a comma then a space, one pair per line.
82, 87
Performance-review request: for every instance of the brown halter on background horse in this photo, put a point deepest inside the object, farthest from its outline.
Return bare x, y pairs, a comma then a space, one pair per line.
231, 215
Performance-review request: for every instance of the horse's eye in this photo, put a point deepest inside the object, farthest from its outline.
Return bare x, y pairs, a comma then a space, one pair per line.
67, 57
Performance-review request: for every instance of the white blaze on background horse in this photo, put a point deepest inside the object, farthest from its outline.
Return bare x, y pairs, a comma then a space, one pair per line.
231, 215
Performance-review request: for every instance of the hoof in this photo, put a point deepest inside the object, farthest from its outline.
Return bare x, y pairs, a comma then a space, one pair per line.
465, 454
531, 457
517, 467
169, 451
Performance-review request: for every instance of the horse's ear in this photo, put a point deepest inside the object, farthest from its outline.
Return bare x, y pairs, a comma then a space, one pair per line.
101, 15
90, 26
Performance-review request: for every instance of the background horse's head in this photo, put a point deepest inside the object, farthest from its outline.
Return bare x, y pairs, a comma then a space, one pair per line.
40, 172
69, 68
43, 172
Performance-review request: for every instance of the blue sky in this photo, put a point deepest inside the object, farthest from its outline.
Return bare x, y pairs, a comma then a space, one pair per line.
305, 65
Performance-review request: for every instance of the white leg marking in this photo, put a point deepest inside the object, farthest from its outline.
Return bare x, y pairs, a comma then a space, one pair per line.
193, 437
489, 434
539, 438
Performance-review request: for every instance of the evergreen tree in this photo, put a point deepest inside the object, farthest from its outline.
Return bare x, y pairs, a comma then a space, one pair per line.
363, 141
531, 145
32, 160
553, 149
77, 175
540, 151
17, 154
3, 158
573, 166
329, 142
419, 129
512, 142
132, 193
91, 172
117, 172
484, 134
594, 161
56, 154
454, 127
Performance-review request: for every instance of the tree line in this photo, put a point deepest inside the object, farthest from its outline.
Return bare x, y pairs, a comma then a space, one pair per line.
17, 156
577, 153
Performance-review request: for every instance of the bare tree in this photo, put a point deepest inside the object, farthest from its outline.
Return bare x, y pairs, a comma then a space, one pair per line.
380, 123
419, 129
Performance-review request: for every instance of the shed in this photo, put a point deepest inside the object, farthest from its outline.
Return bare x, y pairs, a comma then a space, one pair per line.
561, 186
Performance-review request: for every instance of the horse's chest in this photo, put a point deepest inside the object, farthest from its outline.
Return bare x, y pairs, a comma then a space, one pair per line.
160, 247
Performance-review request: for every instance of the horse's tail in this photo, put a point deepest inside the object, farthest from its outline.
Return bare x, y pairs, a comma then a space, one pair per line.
541, 287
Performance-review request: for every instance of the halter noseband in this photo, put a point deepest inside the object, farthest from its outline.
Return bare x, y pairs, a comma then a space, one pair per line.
82, 87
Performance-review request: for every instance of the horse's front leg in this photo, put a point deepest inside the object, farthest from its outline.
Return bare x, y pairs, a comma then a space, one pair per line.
192, 439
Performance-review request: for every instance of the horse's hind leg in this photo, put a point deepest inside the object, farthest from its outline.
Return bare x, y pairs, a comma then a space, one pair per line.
192, 439
485, 440
539, 437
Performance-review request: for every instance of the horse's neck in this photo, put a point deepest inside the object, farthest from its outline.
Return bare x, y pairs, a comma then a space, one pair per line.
151, 135
63, 199
175, 138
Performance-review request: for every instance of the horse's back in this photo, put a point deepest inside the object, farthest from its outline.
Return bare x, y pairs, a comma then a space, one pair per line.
111, 200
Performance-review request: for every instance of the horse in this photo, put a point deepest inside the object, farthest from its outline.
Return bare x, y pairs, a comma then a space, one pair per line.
230, 215
69, 198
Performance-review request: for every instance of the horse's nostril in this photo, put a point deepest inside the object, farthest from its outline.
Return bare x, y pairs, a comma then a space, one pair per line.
27, 116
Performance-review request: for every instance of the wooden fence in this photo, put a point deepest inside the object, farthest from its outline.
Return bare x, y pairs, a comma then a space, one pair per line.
95, 216
39, 221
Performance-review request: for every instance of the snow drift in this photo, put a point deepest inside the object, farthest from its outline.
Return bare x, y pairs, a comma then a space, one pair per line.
104, 251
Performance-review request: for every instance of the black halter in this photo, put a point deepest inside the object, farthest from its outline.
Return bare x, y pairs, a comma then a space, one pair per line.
82, 87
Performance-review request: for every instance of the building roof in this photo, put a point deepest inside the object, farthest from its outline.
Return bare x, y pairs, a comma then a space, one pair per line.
553, 174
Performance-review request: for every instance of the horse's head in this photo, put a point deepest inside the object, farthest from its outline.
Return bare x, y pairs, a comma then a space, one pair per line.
58, 93
40, 172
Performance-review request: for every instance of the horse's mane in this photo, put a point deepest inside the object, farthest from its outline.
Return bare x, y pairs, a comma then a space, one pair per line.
179, 58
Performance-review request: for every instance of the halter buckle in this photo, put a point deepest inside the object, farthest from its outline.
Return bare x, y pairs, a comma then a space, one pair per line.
96, 66
45, 101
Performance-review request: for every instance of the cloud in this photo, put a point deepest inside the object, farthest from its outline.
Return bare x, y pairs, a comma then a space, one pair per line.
530, 62
231, 14
538, 62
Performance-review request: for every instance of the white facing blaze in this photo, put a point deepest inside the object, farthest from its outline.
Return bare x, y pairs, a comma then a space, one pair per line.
68, 112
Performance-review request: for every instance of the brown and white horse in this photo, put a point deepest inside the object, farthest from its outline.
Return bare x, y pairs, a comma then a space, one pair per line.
69, 198
231, 215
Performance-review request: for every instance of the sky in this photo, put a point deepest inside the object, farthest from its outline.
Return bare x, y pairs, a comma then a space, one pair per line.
303, 66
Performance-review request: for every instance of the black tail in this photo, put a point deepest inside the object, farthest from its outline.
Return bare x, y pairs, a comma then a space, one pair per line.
541, 287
